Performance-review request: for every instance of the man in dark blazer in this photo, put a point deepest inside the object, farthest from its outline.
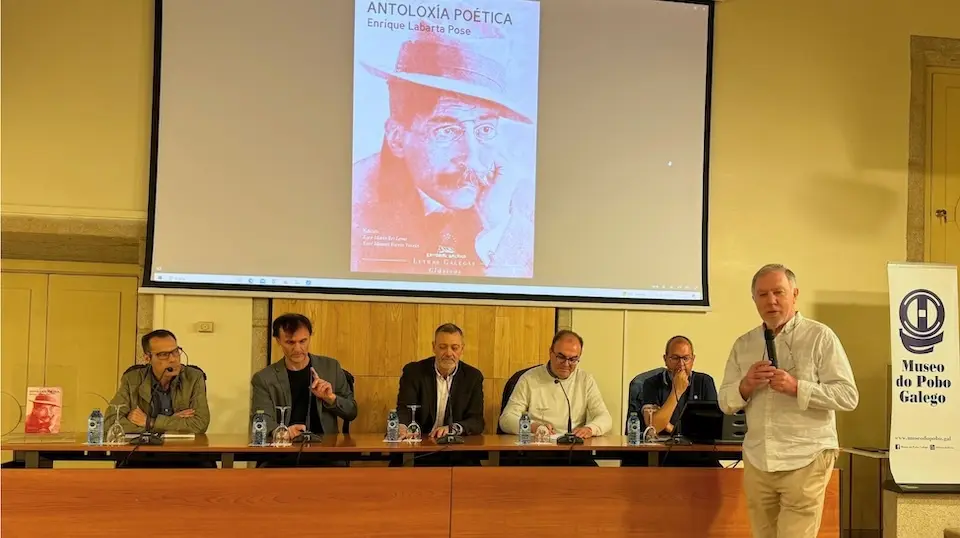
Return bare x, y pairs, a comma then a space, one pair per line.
314, 387
448, 391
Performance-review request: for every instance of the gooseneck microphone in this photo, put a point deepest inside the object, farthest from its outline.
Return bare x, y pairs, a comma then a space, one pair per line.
771, 347
450, 438
307, 436
568, 438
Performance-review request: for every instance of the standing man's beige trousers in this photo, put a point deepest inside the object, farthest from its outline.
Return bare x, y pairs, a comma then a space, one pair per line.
788, 504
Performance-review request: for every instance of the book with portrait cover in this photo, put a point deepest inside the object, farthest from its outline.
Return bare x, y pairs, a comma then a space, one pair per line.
44, 409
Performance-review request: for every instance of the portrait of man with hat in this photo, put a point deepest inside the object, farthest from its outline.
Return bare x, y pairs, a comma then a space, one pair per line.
443, 196
43, 411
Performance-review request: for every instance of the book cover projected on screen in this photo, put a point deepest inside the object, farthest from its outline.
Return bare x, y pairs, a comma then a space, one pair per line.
444, 138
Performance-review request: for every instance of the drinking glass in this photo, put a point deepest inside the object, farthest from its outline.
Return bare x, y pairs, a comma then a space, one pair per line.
649, 433
281, 434
116, 435
542, 435
413, 429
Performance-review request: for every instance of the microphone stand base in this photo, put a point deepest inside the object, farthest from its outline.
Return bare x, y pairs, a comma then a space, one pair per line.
307, 437
150, 439
569, 439
450, 440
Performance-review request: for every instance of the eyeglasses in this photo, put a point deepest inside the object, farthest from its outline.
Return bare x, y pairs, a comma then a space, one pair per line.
448, 133
164, 355
571, 360
680, 358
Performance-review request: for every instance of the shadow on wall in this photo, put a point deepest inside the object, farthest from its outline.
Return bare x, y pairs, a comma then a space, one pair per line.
862, 321
847, 207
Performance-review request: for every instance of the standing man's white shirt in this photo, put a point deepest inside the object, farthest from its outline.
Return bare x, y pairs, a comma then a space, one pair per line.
538, 394
785, 433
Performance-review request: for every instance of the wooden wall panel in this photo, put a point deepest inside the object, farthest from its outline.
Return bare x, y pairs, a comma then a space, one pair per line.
375, 340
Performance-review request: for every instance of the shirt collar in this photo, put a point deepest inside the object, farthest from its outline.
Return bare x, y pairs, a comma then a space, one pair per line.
155, 383
790, 325
553, 375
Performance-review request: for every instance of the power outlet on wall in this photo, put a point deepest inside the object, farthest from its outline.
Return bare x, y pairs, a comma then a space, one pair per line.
205, 326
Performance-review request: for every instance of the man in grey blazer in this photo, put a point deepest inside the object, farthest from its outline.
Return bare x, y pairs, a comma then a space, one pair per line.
314, 387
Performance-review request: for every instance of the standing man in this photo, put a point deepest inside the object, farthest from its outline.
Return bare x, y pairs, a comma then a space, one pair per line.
314, 387
791, 444
448, 390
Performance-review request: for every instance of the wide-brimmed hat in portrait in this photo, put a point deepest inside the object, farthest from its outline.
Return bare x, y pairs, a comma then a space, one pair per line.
470, 66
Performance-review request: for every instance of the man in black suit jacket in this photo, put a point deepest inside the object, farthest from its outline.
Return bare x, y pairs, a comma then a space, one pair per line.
430, 383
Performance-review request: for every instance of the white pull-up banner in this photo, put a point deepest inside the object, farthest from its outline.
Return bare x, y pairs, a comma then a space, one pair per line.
925, 362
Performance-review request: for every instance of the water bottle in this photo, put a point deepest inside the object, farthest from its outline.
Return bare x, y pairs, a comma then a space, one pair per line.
634, 433
525, 429
95, 428
393, 426
259, 428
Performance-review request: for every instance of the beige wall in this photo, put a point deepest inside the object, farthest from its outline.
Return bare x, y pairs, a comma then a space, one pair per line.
76, 87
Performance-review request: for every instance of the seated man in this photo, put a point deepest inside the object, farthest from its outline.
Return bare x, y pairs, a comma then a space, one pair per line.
315, 388
162, 396
664, 395
440, 384
448, 391
537, 393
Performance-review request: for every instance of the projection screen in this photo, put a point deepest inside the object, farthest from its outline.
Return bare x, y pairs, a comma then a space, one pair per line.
508, 150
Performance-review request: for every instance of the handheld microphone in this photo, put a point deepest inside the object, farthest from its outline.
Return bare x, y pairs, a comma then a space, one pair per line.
771, 347
568, 438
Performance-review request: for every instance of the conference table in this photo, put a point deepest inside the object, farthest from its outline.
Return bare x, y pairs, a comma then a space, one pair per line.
370, 499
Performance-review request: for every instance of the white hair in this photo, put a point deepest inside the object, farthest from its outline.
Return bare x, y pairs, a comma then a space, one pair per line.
771, 268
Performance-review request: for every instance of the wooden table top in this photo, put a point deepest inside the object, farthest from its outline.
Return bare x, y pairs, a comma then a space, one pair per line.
364, 442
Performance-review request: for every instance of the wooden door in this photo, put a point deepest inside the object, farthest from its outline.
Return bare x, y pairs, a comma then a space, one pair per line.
91, 329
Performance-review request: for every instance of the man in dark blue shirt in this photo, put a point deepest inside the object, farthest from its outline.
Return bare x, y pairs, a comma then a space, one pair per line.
666, 394
670, 389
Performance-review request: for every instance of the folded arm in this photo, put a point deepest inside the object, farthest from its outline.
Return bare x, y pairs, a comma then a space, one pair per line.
197, 423
122, 398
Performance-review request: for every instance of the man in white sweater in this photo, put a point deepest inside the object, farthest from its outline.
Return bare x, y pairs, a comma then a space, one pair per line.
540, 392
